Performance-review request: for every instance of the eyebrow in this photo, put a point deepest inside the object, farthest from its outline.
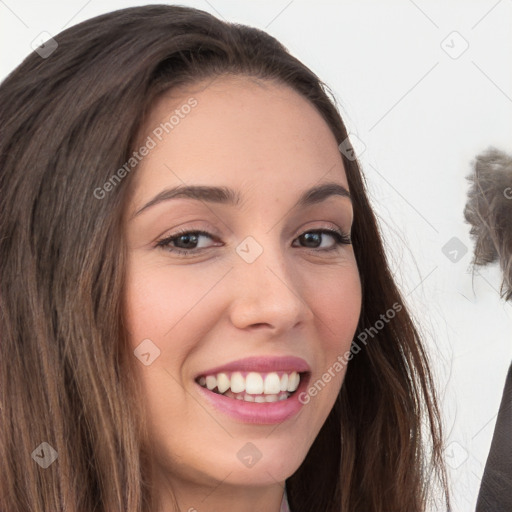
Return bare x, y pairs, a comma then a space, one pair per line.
225, 195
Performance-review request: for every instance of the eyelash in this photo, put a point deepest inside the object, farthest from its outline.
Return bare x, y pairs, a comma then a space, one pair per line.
165, 243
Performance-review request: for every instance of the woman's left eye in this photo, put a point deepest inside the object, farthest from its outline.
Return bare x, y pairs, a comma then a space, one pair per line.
316, 236
312, 238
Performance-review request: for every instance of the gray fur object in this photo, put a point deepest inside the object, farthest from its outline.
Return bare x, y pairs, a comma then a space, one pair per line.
489, 211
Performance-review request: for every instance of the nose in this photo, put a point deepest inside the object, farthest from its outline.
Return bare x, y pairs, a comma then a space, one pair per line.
268, 293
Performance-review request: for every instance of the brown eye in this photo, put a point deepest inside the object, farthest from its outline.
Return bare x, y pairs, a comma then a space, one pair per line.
184, 242
313, 239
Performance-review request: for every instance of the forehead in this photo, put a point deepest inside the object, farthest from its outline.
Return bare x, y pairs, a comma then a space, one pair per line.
250, 134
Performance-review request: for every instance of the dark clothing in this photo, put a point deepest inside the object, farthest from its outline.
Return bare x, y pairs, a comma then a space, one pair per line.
496, 488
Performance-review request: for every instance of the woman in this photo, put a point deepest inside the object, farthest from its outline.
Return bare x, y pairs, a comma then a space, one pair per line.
173, 191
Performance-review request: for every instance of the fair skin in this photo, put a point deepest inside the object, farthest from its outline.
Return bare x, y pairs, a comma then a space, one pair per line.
211, 307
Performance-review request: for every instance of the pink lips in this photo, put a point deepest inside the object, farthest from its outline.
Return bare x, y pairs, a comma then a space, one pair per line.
259, 413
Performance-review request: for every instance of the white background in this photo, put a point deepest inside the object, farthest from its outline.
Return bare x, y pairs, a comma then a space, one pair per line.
421, 112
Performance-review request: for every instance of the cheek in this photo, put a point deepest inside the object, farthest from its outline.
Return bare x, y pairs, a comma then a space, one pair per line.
159, 298
164, 304
336, 301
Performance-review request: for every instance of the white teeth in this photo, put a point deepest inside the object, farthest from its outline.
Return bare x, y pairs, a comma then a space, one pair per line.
284, 382
254, 383
211, 382
259, 399
223, 382
269, 384
271, 398
249, 398
272, 384
237, 382
293, 382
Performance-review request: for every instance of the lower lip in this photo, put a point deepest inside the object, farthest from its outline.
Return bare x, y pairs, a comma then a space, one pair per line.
265, 413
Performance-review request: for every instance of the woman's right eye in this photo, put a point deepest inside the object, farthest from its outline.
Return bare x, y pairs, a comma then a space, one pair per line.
188, 239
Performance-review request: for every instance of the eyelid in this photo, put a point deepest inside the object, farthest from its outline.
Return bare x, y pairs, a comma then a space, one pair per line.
311, 226
163, 241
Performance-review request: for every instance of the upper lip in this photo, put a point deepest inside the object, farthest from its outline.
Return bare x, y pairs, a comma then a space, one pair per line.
263, 364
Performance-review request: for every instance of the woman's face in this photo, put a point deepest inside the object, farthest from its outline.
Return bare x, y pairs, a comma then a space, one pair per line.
262, 301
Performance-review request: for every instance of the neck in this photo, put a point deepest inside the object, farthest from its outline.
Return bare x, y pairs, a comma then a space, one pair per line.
186, 496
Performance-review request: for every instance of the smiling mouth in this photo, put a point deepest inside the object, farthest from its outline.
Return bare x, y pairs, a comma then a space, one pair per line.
253, 386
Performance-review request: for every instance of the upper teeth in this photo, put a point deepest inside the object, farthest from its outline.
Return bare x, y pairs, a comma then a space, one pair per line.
253, 383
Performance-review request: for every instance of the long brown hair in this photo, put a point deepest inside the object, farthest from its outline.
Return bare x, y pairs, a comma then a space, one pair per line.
69, 121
